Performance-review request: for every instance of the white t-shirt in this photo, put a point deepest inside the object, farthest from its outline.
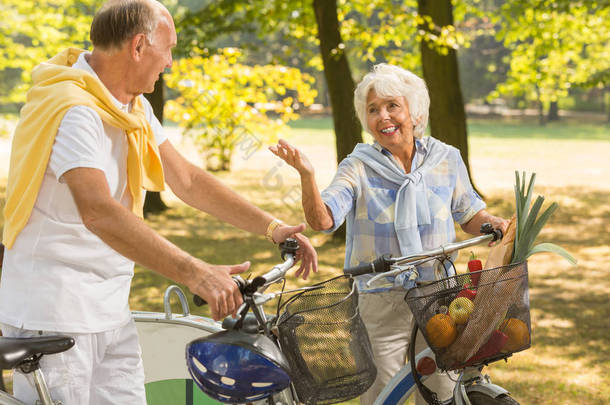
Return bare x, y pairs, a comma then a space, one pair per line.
59, 276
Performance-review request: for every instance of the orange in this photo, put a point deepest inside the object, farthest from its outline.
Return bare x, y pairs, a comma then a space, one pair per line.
441, 331
517, 332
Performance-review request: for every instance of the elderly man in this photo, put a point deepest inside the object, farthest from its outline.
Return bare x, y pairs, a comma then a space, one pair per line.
86, 145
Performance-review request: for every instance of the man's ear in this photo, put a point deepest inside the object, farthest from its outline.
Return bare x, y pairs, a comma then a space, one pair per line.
136, 46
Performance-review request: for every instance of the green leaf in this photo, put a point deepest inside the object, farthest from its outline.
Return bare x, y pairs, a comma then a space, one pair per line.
523, 243
552, 248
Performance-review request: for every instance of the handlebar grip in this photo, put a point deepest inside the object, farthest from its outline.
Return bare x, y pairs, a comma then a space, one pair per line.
198, 301
241, 284
379, 265
488, 229
364, 268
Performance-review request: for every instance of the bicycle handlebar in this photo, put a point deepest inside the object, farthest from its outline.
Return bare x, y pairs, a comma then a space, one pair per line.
379, 265
288, 250
383, 263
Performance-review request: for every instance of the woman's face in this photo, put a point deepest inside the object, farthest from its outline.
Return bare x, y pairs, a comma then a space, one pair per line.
389, 121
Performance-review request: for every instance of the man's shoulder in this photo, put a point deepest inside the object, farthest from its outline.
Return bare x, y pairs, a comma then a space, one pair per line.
82, 116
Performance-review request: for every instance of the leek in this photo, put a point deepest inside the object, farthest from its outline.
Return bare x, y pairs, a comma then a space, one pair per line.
529, 223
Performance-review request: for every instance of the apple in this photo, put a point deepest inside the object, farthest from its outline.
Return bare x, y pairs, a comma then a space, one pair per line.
460, 309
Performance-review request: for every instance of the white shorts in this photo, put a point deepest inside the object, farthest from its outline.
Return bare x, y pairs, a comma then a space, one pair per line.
389, 321
101, 368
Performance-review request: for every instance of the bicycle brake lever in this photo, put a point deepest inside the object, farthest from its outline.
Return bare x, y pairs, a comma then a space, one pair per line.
394, 272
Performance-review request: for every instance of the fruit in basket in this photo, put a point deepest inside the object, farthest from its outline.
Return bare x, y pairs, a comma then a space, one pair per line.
441, 331
460, 309
467, 292
517, 332
494, 344
426, 366
474, 265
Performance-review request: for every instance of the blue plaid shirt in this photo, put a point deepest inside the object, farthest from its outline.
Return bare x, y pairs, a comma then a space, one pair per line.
367, 201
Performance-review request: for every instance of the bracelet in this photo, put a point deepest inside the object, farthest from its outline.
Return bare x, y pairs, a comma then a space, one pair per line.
271, 227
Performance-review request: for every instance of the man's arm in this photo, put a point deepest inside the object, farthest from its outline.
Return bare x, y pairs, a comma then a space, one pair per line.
201, 190
130, 236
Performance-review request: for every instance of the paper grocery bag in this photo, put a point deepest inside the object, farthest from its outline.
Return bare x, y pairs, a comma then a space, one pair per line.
502, 252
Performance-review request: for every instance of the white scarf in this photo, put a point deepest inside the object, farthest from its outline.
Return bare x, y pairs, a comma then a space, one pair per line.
411, 207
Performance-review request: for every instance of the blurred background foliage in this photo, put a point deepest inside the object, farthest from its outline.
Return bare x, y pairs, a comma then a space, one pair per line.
246, 67
525, 51
223, 103
541, 54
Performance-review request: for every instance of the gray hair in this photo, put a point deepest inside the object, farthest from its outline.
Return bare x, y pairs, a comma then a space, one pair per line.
120, 20
393, 81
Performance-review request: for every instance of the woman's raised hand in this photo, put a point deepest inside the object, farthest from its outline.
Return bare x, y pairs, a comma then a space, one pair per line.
293, 156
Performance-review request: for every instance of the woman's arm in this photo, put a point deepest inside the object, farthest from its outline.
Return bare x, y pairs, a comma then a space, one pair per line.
473, 226
317, 213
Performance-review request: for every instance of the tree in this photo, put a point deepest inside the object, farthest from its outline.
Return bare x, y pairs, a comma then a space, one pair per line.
338, 78
224, 104
554, 45
447, 113
348, 33
34, 31
153, 204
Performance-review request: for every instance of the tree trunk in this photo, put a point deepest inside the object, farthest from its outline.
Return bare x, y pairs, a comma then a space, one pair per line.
553, 114
153, 204
447, 112
348, 131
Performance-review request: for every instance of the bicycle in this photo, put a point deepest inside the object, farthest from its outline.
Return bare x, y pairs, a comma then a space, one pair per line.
429, 299
167, 380
300, 375
276, 343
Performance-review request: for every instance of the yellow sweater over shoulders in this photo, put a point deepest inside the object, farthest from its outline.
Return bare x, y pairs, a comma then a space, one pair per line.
56, 88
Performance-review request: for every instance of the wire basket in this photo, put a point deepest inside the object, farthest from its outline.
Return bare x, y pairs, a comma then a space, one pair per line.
326, 343
464, 329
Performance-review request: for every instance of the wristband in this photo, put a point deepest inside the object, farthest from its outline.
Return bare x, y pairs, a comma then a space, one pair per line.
271, 227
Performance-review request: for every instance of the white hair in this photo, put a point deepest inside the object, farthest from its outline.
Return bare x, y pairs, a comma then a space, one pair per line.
393, 81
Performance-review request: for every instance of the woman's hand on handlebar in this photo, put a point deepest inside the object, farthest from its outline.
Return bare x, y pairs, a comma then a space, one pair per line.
214, 284
473, 226
306, 253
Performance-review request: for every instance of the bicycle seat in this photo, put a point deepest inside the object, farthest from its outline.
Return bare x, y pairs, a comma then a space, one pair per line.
13, 351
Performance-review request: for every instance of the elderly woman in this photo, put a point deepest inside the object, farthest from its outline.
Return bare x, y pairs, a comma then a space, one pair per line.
400, 195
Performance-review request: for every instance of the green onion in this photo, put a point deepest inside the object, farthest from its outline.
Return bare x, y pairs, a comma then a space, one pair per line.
529, 224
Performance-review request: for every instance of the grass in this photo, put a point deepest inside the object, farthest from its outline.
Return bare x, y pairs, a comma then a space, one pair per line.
498, 129
569, 361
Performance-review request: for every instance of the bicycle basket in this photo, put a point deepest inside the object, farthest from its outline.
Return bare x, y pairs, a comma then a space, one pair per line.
326, 343
463, 330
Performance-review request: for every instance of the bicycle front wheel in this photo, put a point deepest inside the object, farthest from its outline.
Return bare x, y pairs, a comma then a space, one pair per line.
479, 398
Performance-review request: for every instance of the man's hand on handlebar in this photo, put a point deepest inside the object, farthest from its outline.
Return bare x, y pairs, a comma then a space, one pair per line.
214, 284
306, 253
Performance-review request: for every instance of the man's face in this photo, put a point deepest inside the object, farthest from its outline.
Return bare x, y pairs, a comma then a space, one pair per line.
156, 55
